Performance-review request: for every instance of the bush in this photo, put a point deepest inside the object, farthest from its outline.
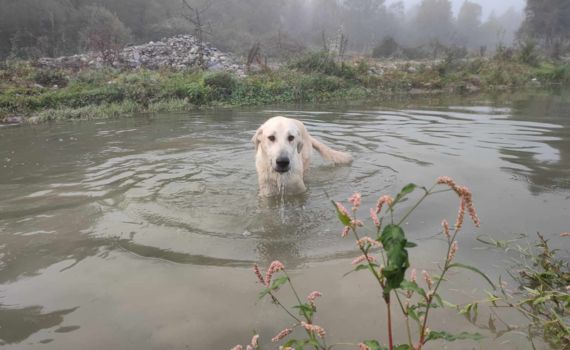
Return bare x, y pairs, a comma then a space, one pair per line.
48, 77
221, 84
554, 73
528, 53
322, 62
198, 94
388, 48
141, 87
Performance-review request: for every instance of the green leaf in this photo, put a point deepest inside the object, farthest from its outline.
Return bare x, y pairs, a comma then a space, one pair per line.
433, 335
409, 188
344, 219
278, 282
292, 343
360, 267
394, 241
413, 286
474, 269
402, 347
439, 300
305, 310
411, 245
373, 345
413, 315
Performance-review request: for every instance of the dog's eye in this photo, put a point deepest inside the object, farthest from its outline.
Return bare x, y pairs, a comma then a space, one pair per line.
291, 138
271, 138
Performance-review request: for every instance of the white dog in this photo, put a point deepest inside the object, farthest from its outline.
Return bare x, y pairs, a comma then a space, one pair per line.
283, 150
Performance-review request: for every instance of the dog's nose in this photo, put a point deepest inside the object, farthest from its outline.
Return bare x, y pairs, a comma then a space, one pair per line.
282, 162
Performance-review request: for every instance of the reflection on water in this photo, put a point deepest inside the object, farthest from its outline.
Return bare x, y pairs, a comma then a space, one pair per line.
111, 214
19, 324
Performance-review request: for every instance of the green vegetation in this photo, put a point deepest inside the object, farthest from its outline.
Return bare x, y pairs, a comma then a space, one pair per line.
386, 256
41, 95
543, 294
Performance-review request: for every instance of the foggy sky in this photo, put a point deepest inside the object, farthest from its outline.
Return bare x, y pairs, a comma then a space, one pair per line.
499, 6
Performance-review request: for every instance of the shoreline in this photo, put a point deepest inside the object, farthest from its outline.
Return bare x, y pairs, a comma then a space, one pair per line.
103, 93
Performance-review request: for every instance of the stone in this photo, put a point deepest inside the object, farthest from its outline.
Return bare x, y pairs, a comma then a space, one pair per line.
13, 119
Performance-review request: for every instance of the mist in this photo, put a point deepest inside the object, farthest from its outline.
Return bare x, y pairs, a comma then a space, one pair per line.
37, 28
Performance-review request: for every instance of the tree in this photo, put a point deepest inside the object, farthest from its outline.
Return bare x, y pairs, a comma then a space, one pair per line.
469, 23
434, 21
104, 32
195, 15
549, 22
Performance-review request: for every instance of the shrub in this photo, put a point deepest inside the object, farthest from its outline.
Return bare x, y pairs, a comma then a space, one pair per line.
50, 77
528, 53
322, 62
198, 94
387, 48
221, 84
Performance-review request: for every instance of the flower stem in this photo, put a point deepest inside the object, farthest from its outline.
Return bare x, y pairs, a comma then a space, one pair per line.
390, 340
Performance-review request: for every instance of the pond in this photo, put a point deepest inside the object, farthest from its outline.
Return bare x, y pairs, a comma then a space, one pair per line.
140, 233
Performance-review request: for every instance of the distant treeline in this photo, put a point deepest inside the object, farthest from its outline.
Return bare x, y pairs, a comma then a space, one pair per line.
35, 28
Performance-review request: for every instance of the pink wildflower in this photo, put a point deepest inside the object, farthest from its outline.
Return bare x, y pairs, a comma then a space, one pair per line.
255, 341
314, 328
467, 197
258, 274
446, 180
345, 231
386, 199
362, 346
237, 347
285, 348
355, 200
313, 296
453, 251
367, 240
274, 267
445, 225
281, 335
428, 279
249, 347
356, 223
413, 275
460, 214
341, 208
565, 234
363, 258
466, 201
374, 217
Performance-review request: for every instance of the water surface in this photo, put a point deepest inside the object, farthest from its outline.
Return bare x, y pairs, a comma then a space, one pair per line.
140, 233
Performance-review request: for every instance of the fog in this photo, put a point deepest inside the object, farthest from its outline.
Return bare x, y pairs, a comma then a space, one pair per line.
488, 6
35, 28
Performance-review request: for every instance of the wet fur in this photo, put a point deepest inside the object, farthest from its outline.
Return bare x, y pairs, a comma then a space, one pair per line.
299, 152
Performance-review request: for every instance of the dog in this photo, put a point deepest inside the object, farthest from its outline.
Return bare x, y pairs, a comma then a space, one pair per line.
283, 148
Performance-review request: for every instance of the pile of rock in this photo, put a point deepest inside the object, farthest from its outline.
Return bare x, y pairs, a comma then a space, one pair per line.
178, 52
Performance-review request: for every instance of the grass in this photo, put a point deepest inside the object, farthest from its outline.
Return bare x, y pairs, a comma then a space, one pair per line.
41, 95
543, 292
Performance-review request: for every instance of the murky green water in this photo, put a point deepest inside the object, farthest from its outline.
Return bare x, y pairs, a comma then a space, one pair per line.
140, 233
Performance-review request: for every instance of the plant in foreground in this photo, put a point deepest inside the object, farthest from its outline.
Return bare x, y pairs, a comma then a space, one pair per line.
385, 256
542, 296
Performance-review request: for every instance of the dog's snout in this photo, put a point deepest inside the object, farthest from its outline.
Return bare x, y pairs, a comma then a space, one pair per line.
282, 162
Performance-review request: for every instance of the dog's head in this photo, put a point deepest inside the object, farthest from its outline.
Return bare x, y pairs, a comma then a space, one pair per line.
280, 141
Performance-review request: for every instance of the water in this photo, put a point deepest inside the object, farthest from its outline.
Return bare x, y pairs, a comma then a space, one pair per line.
141, 233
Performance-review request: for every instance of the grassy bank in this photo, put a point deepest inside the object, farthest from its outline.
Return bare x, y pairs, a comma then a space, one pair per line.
40, 95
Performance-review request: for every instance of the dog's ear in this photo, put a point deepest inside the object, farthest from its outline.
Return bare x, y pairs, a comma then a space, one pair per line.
256, 139
299, 146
